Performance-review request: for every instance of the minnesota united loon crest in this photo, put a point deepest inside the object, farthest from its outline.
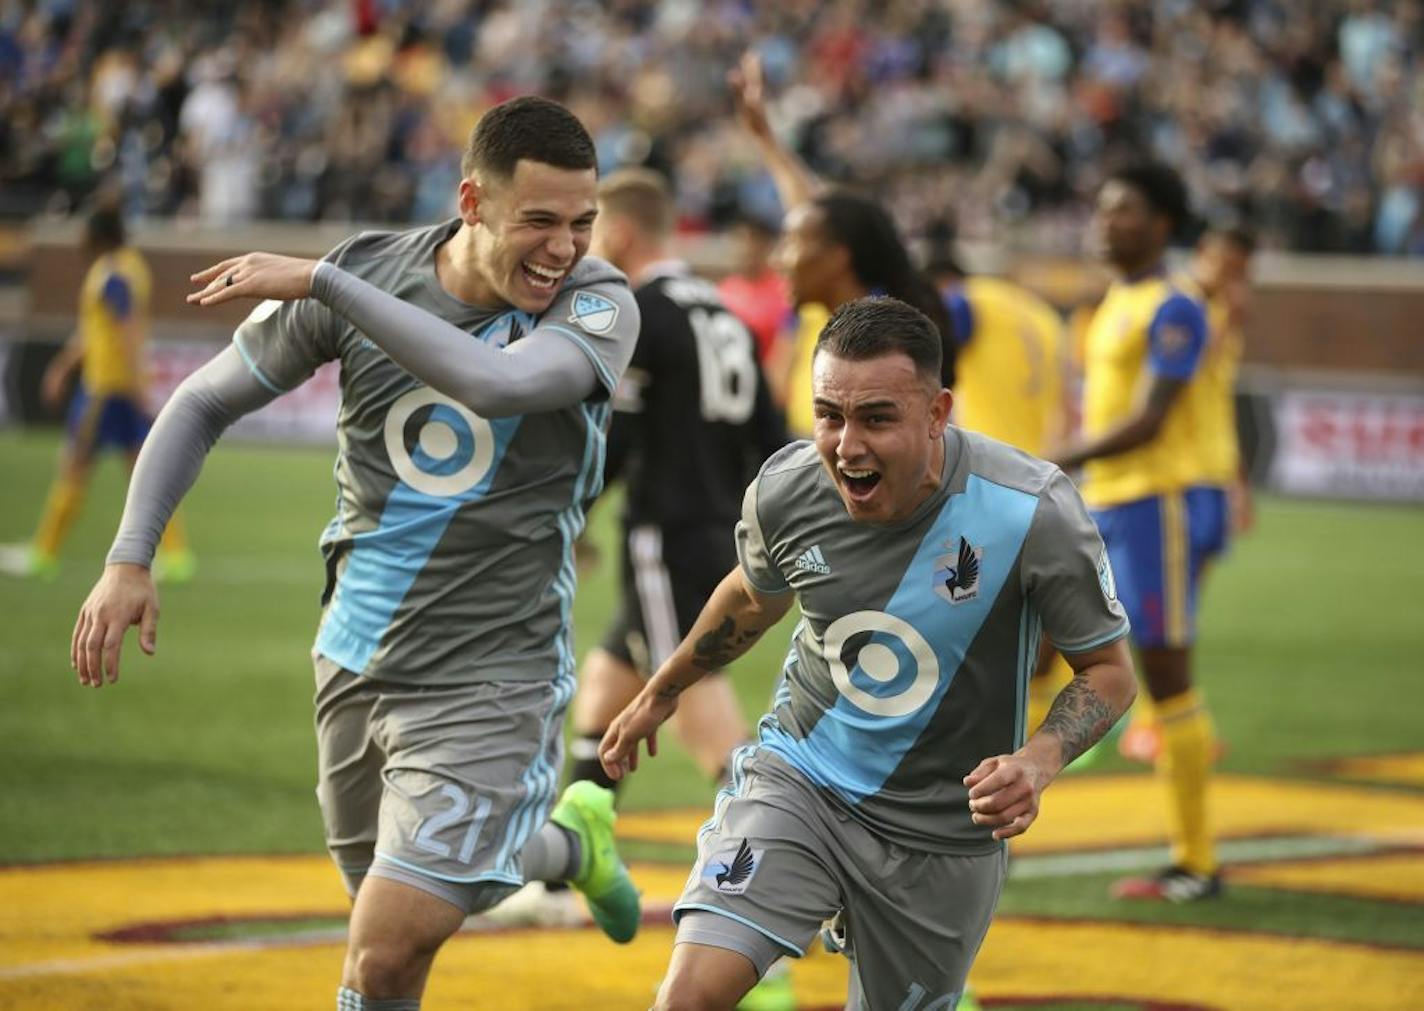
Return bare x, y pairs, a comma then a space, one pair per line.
956, 575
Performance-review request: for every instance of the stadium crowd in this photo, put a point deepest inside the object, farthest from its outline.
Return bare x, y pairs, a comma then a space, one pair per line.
1304, 120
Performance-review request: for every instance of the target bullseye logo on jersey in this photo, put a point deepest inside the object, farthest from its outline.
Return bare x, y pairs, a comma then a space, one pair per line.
594, 313
892, 670
436, 445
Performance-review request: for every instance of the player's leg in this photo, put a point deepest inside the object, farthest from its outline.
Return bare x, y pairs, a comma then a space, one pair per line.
86, 433
915, 927
710, 724
396, 930
608, 681
349, 762
1163, 575
764, 881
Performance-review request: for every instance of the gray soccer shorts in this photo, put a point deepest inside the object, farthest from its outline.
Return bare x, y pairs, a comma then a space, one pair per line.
437, 787
777, 859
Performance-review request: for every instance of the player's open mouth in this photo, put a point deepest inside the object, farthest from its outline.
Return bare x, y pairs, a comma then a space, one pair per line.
859, 483
538, 276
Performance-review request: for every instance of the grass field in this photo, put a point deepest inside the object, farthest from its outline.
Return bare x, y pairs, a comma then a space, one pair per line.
1312, 635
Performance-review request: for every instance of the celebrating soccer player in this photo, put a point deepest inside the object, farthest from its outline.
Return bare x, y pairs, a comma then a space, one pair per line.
926, 561
478, 358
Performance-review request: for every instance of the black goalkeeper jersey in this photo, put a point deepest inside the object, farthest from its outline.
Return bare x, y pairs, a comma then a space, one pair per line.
693, 418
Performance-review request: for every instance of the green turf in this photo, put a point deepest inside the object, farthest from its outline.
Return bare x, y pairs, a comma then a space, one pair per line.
1310, 648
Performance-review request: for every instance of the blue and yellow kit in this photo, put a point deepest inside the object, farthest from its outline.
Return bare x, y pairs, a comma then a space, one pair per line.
1159, 507
108, 408
1008, 375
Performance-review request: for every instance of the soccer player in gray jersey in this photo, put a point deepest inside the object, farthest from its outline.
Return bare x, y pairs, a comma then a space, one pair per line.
926, 561
477, 358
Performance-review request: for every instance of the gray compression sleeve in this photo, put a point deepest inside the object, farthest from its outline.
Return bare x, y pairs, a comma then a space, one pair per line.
542, 372
199, 411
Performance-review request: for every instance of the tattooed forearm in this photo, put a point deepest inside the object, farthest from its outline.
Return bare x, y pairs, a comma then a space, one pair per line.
1078, 718
723, 644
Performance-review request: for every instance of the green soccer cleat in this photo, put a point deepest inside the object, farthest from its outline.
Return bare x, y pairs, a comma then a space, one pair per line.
773, 992
586, 810
174, 567
28, 562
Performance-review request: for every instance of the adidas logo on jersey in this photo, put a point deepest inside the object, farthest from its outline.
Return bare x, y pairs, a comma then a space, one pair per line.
812, 560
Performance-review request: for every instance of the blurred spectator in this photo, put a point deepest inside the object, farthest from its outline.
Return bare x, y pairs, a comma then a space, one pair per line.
1301, 119
755, 290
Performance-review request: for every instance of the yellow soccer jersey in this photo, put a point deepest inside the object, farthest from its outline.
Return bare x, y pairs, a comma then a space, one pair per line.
1009, 371
800, 413
1215, 389
1143, 328
113, 297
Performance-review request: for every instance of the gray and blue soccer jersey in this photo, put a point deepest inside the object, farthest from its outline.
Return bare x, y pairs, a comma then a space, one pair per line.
912, 657
450, 557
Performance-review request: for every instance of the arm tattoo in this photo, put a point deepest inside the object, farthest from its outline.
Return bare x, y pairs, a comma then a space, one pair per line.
1078, 718
723, 644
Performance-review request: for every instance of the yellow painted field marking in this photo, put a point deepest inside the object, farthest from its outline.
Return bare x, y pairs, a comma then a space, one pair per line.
49, 917
1406, 769
1093, 812
1398, 876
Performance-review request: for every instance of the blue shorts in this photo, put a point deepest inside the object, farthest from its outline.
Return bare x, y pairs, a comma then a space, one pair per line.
95, 423
1158, 547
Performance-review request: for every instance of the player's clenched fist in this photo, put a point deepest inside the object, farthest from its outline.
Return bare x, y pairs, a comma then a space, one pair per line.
124, 596
1004, 792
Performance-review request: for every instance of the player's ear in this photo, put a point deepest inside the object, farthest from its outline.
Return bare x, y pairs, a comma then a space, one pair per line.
470, 195
940, 406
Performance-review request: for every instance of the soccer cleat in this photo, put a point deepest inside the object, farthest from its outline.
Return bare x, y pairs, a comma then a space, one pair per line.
535, 905
174, 567
1141, 742
773, 992
586, 810
1175, 884
28, 561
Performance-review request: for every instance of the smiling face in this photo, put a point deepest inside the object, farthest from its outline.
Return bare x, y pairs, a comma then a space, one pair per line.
530, 230
879, 423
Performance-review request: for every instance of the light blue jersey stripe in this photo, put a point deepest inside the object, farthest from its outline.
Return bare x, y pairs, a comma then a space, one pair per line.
853, 751
541, 778
255, 369
384, 563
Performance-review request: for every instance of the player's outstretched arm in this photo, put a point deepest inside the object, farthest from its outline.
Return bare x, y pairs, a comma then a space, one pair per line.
795, 182
202, 407
736, 616
1004, 790
542, 372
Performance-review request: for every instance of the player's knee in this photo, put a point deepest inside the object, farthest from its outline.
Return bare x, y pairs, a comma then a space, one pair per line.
691, 995
386, 968
687, 989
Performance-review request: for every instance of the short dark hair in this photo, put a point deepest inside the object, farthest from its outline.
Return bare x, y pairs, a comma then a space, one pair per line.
105, 228
877, 325
1162, 188
527, 127
643, 196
